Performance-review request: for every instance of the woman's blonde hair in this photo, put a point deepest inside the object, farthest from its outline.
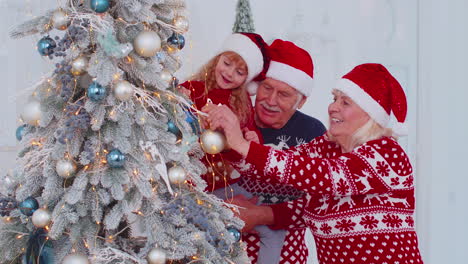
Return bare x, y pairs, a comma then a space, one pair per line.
239, 101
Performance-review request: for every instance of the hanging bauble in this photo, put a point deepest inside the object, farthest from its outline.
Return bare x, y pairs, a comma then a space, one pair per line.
176, 174
96, 92
32, 113
65, 168
7, 205
123, 90
28, 206
79, 66
156, 256
235, 233
41, 218
46, 46
181, 23
76, 259
60, 20
20, 131
166, 76
176, 41
171, 127
193, 121
100, 6
115, 159
39, 248
147, 43
212, 142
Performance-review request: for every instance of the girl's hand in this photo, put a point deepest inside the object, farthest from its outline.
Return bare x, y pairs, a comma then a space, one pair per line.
251, 136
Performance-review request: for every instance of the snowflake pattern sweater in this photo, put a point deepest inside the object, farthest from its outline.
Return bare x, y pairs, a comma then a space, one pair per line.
362, 205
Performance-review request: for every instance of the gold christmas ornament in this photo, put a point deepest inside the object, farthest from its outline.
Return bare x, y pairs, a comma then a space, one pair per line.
212, 142
32, 113
123, 90
147, 43
60, 20
79, 66
156, 256
41, 218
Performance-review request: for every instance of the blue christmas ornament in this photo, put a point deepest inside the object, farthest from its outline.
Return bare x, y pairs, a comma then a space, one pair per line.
176, 41
46, 46
20, 132
29, 206
100, 6
96, 92
171, 127
235, 233
115, 159
193, 121
39, 249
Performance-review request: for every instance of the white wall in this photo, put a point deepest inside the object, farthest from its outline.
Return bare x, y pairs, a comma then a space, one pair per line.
423, 43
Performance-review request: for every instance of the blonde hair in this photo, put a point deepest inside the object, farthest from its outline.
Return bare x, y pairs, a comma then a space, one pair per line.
239, 101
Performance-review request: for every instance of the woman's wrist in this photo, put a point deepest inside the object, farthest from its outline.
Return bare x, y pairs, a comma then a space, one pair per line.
243, 148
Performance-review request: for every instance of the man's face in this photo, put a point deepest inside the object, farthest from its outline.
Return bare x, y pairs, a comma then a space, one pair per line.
275, 103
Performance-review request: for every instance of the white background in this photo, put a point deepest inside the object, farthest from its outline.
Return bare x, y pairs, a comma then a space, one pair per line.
423, 43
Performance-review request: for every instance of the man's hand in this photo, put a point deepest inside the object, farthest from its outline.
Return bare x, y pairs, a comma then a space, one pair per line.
251, 213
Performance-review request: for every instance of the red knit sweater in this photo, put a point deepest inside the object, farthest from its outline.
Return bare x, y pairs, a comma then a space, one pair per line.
362, 205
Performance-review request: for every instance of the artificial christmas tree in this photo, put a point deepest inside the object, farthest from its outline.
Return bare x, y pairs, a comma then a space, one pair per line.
244, 18
109, 167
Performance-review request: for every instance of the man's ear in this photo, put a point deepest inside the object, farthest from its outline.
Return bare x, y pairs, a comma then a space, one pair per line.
302, 102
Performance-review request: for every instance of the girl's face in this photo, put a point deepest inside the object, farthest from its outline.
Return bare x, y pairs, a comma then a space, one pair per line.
230, 73
345, 117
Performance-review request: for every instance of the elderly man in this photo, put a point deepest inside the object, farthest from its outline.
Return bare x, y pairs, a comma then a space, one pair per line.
288, 83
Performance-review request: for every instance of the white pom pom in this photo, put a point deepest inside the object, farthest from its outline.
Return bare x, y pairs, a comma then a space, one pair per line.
252, 88
400, 129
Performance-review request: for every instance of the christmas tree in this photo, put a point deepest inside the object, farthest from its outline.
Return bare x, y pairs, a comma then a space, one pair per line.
244, 19
109, 164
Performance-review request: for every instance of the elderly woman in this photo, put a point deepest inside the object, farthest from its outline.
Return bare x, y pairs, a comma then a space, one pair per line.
359, 177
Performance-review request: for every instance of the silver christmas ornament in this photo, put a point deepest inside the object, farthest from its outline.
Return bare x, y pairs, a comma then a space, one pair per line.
123, 90
41, 218
181, 23
147, 43
166, 76
79, 66
156, 256
32, 113
76, 259
212, 142
65, 168
60, 20
176, 174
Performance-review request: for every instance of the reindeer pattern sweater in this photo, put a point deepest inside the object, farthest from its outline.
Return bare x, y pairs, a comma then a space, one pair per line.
362, 202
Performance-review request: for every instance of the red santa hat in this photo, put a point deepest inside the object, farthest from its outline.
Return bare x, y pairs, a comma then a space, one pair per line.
292, 65
377, 92
254, 51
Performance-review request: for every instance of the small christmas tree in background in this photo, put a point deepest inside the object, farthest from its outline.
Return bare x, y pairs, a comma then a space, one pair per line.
109, 167
244, 19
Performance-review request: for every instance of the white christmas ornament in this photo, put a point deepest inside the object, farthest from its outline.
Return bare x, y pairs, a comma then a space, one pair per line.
79, 66
181, 23
147, 43
123, 90
32, 113
212, 142
41, 218
156, 256
60, 20
65, 168
75, 259
176, 174
165, 76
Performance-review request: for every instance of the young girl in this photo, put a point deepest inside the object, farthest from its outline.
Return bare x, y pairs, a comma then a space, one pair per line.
225, 80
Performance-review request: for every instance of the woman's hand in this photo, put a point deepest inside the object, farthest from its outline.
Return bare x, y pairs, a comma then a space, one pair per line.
221, 117
251, 213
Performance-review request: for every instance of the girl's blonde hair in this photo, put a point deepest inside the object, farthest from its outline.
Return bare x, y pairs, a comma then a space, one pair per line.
239, 101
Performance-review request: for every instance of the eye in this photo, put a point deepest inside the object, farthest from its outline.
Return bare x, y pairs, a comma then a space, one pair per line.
227, 63
240, 72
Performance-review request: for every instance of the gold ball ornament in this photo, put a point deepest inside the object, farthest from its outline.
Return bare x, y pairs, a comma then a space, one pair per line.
76, 259
32, 113
79, 66
212, 142
60, 20
166, 76
65, 168
123, 90
147, 43
176, 174
41, 218
181, 23
156, 256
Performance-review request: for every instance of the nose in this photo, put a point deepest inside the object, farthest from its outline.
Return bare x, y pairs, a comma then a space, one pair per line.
230, 70
271, 98
333, 107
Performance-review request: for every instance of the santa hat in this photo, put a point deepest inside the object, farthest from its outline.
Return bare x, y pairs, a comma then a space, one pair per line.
378, 93
253, 50
292, 65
